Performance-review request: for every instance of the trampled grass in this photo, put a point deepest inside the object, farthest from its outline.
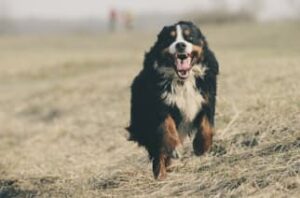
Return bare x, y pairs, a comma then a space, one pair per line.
65, 102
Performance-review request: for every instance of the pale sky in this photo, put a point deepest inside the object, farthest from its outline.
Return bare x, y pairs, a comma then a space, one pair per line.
76, 9
73, 9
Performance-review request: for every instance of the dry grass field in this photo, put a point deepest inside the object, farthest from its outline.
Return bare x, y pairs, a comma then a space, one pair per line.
64, 103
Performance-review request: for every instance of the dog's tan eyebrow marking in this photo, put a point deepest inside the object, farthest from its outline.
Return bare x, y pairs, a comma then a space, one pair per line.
186, 32
173, 33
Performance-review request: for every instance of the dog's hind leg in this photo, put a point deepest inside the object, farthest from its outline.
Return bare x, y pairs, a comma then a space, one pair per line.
203, 138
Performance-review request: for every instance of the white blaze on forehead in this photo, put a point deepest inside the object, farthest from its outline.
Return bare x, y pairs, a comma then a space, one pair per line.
180, 39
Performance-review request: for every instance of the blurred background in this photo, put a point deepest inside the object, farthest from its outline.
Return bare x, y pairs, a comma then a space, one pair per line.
66, 67
34, 16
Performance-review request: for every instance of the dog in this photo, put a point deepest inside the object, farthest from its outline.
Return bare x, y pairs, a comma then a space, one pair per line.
174, 95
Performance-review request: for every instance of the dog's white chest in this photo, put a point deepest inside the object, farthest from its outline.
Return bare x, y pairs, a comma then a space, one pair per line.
186, 97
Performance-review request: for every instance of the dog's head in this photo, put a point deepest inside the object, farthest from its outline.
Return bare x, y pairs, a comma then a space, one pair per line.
178, 48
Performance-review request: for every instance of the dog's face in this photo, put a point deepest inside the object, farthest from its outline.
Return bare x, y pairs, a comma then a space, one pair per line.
180, 47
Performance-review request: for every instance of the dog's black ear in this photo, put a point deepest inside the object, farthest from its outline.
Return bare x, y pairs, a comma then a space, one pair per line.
200, 37
210, 61
161, 38
163, 33
155, 49
150, 57
209, 58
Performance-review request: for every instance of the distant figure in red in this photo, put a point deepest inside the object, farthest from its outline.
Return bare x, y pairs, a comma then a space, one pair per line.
112, 20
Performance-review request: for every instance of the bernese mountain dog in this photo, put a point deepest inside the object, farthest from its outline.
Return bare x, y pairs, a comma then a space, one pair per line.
174, 95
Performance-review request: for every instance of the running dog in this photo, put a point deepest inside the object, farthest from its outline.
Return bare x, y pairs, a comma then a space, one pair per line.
174, 95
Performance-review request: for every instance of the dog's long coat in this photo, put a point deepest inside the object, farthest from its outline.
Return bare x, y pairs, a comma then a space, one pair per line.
174, 95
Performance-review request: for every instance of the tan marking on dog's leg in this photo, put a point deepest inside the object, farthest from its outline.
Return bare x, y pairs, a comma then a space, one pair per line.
203, 138
168, 162
159, 167
169, 143
207, 132
170, 137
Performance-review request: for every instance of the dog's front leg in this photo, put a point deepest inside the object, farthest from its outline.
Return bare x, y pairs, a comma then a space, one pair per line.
203, 138
159, 166
170, 140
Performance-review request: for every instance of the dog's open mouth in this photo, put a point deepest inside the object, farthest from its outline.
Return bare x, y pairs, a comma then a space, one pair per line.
183, 65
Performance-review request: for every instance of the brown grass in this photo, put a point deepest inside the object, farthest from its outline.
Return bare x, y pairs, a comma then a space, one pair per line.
65, 102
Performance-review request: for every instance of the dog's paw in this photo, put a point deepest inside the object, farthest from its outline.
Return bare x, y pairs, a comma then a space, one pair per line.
200, 149
159, 168
199, 145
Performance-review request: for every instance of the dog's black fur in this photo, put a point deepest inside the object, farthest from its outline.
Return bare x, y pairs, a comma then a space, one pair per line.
148, 109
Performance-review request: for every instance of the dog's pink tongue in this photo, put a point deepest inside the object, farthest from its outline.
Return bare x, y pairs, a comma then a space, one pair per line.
184, 64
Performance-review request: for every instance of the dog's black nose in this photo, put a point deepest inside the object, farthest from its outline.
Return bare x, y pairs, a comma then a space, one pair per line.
180, 46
